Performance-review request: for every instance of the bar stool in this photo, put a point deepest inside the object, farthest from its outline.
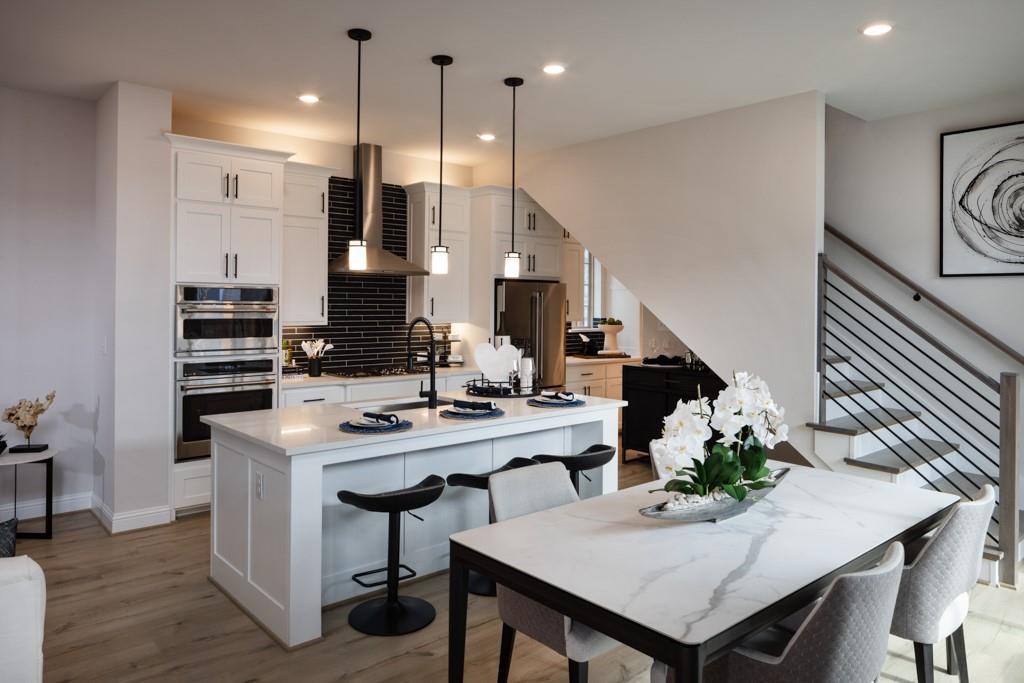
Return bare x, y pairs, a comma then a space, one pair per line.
392, 615
596, 456
478, 583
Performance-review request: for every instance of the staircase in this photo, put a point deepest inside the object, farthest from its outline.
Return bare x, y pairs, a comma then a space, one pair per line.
896, 403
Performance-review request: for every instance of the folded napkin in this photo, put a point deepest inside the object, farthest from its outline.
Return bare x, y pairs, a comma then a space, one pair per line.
566, 396
475, 405
382, 418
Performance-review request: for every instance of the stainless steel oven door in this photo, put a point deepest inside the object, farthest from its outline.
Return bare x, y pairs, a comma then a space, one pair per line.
210, 330
197, 398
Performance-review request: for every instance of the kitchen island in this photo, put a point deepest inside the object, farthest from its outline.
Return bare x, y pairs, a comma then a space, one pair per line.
282, 545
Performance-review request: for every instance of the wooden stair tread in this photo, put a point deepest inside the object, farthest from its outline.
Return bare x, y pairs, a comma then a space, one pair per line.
839, 389
915, 451
876, 418
969, 483
834, 359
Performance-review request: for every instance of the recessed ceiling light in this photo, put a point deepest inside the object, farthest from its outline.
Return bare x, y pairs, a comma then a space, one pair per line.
309, 98
486, 137
554, 69
877, 29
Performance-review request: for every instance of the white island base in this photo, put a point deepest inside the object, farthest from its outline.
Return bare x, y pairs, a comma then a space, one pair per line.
283, 546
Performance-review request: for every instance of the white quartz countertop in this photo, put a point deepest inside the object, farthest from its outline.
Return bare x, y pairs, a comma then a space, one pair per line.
305, 381
597, 360
691, 582
299, 430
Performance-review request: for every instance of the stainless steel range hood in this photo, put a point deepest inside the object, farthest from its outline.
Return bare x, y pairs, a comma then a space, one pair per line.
367, 165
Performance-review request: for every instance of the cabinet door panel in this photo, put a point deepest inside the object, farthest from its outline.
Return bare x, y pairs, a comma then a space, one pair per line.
304, 271
305, 195
255, 245
503, 216
313, 395
448, 295
572, 276
544, 226
203, 177
256, 183
547, 257
202, 242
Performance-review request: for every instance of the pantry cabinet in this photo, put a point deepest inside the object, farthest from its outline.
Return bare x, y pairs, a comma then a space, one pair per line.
439, 298
305, 240
572, 277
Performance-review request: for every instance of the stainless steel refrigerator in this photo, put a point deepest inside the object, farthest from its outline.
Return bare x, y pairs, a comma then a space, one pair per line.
533, 315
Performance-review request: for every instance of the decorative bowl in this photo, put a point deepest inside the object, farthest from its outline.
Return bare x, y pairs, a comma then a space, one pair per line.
715, 511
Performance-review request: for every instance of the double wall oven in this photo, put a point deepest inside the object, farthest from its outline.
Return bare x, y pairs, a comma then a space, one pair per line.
226, 344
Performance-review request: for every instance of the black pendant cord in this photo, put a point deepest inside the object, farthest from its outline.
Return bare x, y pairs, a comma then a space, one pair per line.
440, 169
359, 35
513, 82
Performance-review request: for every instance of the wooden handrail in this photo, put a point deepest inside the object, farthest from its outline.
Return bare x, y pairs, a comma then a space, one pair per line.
988, 381
925, 294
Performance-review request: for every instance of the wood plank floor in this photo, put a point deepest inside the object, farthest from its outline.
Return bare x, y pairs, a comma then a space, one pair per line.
138, 607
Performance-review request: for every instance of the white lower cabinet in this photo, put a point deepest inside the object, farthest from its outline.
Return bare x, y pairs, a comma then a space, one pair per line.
313, 395
191, 483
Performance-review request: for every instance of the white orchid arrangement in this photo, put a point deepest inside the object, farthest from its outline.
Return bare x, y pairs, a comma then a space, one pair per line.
749, 421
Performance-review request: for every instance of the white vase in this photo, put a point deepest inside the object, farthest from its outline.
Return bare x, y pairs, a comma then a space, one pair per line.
611, 339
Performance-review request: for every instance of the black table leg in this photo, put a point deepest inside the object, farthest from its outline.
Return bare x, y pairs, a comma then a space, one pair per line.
458, 589
47, 531
689, 665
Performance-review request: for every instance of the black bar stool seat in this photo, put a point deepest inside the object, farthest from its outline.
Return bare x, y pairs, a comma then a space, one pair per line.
596, 456
392, 615
478, 583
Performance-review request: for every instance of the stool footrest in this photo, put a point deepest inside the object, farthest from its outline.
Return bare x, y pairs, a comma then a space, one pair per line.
358, 578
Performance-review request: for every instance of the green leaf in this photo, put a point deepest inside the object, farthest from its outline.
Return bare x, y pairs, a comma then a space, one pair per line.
737, 491
758, 485
679, 486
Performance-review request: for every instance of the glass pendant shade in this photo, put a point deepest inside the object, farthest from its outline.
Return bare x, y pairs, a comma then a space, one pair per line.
438, 260
511, 264
357, 254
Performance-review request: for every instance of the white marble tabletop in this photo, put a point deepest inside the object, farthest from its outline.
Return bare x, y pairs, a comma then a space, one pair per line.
298, 430
8, 458
691, 582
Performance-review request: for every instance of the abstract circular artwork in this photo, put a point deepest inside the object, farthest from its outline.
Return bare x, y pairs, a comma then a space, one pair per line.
983, 201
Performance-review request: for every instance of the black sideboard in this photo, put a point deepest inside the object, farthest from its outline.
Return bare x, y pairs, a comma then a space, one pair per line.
652, 392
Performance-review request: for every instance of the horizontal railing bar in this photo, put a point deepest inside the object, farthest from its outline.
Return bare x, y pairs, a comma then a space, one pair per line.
925, 294
930, 412
914, 327
889, 327
913, 379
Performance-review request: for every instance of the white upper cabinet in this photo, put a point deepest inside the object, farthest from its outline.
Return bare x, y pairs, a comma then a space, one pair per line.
255, 245
227, 212
572, 276
538, 237
439, 298
542, 225
204, 242
304, 264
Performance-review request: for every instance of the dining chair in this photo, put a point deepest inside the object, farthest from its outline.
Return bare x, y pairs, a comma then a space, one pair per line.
842, 640
520, 492
935, 590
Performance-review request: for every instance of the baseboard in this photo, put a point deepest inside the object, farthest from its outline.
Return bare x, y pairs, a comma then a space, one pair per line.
120, 522
102, 512
36, 507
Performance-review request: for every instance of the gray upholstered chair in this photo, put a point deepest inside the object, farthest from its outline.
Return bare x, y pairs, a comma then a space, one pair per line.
519, 492
935, 589
842, 640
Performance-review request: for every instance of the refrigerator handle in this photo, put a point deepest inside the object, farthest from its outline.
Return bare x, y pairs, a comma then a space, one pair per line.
538, 348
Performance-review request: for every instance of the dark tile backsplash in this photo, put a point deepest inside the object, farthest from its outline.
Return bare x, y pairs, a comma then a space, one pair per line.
366, 313
574, 345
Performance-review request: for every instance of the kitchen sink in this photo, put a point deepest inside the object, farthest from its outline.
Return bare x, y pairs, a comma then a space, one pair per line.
401, 404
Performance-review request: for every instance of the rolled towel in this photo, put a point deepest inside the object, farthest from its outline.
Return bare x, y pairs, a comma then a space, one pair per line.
566, 396
383, 418
489, 406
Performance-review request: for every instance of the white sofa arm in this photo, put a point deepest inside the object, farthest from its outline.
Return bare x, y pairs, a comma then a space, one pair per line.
23, 601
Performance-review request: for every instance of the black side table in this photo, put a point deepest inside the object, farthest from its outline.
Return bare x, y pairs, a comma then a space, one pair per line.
44, 458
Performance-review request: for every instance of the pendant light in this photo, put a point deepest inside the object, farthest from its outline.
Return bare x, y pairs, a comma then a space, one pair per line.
512, 259
439, 252
357, 247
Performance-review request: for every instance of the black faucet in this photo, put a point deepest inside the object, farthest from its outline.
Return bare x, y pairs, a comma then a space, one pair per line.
430, 395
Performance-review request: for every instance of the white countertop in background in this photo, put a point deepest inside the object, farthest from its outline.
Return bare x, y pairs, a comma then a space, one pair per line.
593, 360
303, 381
305, 429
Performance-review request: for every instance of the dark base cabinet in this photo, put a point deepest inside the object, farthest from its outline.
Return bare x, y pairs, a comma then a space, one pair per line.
652, 392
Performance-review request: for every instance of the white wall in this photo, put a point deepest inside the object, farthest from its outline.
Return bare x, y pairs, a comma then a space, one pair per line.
398, 169
715, 224
882, 189
47, 277
142, 322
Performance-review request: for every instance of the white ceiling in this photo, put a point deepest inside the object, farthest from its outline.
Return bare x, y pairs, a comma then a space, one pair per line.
630, 64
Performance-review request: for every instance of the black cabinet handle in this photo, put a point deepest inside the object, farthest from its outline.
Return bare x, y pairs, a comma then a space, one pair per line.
313, 400
433, 211
321, 305
236, 265
236, 186
227, 185
431, 306
225, 264
323, 202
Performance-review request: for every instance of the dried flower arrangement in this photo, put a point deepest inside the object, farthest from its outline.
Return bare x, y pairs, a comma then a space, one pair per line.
24, 415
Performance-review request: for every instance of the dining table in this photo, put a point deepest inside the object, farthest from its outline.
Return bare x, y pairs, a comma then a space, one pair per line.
686, 593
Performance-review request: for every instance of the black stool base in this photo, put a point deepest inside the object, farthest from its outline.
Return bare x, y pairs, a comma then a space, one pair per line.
378, 617
481, 585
